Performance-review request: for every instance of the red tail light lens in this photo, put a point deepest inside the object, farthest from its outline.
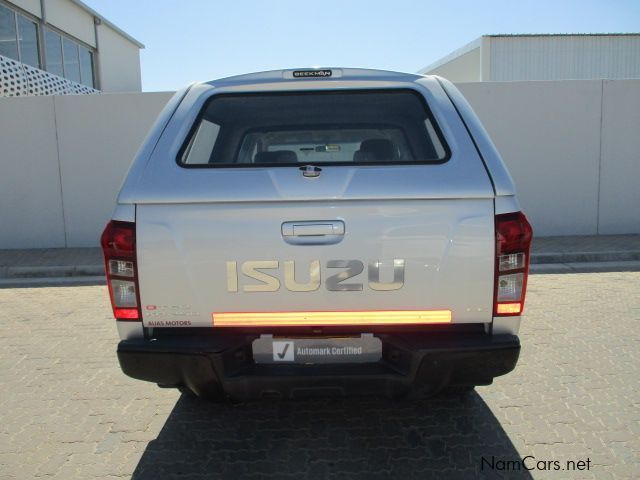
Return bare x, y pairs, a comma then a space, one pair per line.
513, 246
118, 243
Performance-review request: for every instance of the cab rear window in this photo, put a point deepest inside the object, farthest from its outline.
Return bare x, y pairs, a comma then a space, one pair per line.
319, 128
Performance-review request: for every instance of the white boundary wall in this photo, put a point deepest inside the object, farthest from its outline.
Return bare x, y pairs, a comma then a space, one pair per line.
62, 161
573, 148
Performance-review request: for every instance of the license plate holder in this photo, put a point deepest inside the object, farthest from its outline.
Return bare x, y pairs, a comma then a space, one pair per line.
317, 350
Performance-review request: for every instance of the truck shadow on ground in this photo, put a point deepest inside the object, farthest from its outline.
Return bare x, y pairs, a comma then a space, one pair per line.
371, 438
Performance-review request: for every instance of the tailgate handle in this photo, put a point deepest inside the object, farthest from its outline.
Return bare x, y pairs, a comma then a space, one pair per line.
313, 232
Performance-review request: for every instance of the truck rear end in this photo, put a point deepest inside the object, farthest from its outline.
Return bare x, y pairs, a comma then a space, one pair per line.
334, 231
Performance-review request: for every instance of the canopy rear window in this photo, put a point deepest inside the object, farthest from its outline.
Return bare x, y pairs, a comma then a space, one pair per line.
319, 128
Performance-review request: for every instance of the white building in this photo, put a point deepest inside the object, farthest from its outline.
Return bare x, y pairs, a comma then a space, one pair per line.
63, 46
505, 58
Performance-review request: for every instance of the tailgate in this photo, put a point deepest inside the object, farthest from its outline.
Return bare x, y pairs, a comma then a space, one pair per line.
199, 260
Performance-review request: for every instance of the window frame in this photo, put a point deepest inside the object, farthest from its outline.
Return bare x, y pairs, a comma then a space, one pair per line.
76, 47
78, 44
194, 126
15, 32
38, 46
47, 30
18, 12
92, 65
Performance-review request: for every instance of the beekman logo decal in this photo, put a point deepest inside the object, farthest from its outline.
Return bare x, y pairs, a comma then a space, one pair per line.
312, 73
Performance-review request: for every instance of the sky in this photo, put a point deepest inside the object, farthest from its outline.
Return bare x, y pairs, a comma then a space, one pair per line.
200, 40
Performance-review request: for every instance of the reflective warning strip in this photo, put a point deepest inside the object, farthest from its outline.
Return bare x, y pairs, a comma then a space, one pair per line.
303, 319
509, 308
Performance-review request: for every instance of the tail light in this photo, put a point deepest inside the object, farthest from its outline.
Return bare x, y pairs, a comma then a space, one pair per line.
513, 244
119, 248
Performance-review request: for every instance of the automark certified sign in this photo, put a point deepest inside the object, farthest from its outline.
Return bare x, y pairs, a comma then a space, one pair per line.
365, 348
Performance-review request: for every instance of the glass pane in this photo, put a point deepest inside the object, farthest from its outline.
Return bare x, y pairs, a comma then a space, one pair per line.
201, 146
437, 145
330, 127
71, 62
86, 67
8, 43
28, 40
53, 48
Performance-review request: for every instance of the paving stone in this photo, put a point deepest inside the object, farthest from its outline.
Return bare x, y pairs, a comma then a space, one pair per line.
67, 411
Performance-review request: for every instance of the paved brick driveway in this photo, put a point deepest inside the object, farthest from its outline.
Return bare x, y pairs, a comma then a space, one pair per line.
66, 411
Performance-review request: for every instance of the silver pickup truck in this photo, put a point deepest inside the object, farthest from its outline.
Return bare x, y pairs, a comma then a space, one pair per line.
317, 231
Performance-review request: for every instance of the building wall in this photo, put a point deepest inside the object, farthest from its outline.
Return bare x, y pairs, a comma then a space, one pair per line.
543, 57
31, 6
564, 57
465, 68
572, 148
118, 62
71, 19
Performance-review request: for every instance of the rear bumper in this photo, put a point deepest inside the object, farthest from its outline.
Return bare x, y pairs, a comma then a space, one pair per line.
411, 364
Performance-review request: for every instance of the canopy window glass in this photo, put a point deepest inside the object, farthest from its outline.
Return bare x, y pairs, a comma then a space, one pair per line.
18, 37
342, 127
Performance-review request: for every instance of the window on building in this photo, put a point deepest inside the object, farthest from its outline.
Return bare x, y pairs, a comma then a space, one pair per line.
71, 60
18, 37
53, 49
68, 59
28, 41
86, 67
8, 37
64, 56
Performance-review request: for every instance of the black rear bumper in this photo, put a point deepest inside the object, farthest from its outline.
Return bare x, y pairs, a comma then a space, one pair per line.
417, 363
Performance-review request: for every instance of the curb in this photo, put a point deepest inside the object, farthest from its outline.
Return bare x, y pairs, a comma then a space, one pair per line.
584, 257
585, 267
51, 271
52, 281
